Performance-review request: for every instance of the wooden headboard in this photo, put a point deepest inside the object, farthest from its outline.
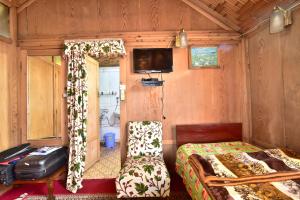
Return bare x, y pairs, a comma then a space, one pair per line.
208, 133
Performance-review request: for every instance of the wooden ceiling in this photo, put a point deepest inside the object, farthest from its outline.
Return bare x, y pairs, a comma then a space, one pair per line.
20, 4
232, 15
237, 15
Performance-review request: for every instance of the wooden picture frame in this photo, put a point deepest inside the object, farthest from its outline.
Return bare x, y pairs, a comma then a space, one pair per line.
204, 57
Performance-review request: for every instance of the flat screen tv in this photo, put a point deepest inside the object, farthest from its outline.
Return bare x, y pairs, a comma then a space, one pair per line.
154, 60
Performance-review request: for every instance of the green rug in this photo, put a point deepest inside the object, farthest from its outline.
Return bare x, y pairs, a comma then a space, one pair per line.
174, 196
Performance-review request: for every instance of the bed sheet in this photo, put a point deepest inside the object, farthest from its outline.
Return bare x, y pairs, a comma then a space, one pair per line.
184, 169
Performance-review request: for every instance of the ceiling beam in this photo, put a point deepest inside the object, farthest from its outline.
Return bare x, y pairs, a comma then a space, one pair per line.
8, 3
203, 9
262, 13
25, 5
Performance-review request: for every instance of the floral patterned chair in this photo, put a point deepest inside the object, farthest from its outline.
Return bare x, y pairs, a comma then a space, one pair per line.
144, 173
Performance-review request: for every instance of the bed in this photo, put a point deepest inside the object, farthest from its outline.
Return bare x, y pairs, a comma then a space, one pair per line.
206, 139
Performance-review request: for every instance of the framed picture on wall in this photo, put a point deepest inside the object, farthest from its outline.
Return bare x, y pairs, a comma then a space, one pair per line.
203, 57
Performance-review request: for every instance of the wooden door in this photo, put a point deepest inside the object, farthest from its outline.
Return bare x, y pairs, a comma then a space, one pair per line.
93, 125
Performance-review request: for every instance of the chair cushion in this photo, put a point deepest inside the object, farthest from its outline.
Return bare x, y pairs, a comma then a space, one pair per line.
144, 138
143, 176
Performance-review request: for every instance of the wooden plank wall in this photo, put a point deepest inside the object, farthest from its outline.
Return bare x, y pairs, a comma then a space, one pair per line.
275, 86
9, 133
5, 63
191, 96
64, 17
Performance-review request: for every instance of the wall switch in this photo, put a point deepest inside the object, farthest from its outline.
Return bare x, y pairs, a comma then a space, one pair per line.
122, 92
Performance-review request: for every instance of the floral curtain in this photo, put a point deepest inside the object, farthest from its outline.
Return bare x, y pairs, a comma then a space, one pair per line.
77, 99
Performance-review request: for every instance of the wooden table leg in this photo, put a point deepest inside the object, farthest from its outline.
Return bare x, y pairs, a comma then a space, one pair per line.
48, 180
50, 184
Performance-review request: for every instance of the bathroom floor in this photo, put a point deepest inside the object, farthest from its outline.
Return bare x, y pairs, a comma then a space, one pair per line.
108, 166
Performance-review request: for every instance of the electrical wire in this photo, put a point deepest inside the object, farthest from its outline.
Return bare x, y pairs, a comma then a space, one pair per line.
255, 27
117, 99
292, 7
162, 99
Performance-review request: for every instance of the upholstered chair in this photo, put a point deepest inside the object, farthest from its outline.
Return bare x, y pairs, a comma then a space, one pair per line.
144, 173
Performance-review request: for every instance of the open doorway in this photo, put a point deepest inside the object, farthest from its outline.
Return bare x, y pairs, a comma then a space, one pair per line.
109, 163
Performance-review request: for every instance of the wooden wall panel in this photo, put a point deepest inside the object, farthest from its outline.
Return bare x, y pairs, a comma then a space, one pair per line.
266, 89
4, 93
275, 86
8, 92
246, 90
9, 132
291, 74
118, 19
64, 17
190, 96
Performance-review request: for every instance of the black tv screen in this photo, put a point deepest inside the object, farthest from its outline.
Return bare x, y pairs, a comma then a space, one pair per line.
155, 60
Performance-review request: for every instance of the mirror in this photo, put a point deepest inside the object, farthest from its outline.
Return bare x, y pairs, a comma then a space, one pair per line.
4, 20
44, 97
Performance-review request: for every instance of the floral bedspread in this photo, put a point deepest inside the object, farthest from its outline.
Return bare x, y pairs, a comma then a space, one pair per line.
268, 174
184, 169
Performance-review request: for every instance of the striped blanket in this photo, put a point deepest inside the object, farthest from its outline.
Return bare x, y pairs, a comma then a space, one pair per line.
268, 174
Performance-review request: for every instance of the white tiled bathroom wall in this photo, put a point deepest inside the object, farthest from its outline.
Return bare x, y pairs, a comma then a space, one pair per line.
109, 101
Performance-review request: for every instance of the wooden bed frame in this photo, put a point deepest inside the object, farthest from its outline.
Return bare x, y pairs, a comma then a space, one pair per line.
208, 133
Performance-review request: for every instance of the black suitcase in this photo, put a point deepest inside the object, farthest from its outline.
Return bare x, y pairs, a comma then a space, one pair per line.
8, 160
6, 174
34, 167
14, 152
